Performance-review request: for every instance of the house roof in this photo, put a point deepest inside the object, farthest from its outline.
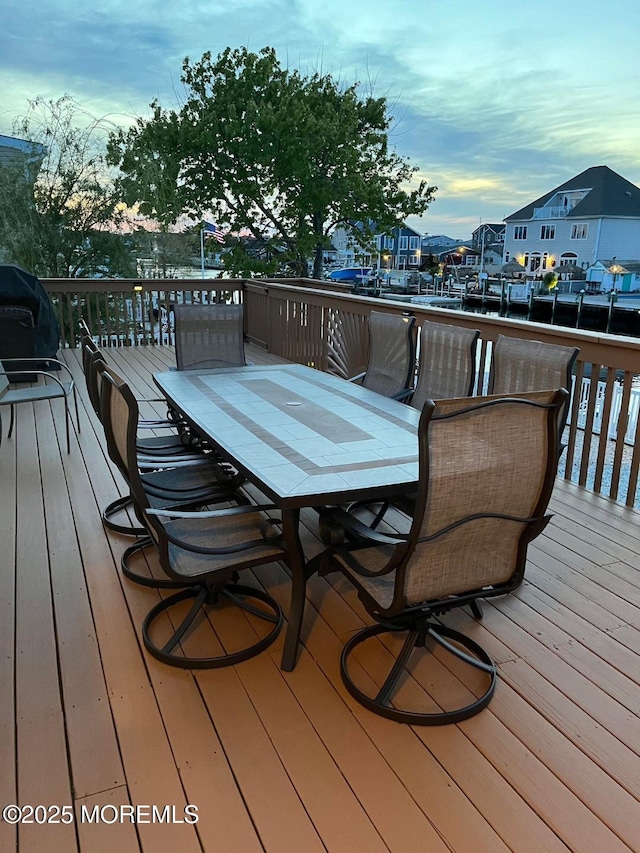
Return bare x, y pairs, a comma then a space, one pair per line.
495, 226
11, 146
609, 195
626, 265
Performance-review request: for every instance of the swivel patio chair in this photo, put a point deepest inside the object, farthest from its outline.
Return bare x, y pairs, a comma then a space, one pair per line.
175, 443
167, 482
49, 378
446, 369
153, 452
392, 354
204, 552
447, 363
209, 336
486, 473
524, 365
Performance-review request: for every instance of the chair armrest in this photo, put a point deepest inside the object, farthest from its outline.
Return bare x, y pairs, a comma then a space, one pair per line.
153, 424
45, 361
160, 463
212, 513
38, 373
403, 395
351, 524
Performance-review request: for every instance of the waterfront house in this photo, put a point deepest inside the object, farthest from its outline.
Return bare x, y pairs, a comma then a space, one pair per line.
430, 242
594, 215
347, 250
401, 249
489, 234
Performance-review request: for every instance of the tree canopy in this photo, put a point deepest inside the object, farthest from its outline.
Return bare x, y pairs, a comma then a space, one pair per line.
271, 154
59, 212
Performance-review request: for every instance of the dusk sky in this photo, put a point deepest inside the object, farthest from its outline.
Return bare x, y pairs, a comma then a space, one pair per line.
496, 102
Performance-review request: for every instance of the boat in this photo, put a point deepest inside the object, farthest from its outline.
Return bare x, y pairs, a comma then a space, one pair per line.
350, 274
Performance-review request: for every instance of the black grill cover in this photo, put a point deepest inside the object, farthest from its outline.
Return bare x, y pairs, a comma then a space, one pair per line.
24, 290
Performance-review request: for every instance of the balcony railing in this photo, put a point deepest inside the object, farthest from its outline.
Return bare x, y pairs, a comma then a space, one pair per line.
550, 212
306, 322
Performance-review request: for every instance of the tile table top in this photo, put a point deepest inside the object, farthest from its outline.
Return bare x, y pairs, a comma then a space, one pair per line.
304, 436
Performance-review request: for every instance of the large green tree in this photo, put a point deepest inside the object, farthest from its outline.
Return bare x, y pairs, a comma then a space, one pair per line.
59, 211
274, 155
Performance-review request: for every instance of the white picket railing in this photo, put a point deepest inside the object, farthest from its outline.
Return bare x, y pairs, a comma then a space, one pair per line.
616, 404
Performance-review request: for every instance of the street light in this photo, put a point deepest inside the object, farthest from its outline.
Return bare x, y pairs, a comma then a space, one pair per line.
615, 269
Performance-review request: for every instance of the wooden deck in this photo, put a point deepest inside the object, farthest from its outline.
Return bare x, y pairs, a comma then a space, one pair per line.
287, 762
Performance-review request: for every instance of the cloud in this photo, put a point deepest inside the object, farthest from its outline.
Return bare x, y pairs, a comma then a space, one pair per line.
494, 106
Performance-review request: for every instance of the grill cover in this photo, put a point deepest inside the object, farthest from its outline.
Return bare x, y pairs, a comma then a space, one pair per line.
21, 289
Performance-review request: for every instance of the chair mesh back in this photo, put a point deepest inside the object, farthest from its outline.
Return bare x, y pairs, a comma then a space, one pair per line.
121, 422
209, 336
391, 353
494, 459
522, 365
90, 356
447, 365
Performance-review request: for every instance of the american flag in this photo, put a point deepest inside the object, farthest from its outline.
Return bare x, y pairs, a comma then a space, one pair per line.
211, 230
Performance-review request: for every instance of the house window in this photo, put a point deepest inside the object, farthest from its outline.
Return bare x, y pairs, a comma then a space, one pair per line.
579, 231
414, 243
403, 244
520, 232
548, 232
413, 260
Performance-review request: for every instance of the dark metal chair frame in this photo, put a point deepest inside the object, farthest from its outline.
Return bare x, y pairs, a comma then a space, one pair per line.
392, 355
166, 483
446, 363
520, 364
203, 551
154, 453
462, 544
24, 365
209, 336
47, 386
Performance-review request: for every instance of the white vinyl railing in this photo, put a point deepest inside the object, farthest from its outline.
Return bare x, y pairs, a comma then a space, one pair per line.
616, 404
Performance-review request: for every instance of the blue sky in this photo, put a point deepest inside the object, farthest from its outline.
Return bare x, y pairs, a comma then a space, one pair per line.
496, 102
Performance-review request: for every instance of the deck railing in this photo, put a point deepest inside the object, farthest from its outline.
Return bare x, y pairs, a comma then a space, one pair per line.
310, 323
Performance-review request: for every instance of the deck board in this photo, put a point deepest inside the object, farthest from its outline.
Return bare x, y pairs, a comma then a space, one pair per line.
289, 762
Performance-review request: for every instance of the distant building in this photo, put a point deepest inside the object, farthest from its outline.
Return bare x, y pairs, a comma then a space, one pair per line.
401, 250
593, 216
431, 241
346, 250
490, 234
614, 274
12, 150
26, 156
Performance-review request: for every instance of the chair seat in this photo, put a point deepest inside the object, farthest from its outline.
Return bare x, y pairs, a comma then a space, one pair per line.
36, 392
228, 531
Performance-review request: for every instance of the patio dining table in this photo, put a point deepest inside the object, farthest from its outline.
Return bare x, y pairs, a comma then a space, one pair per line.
306, 439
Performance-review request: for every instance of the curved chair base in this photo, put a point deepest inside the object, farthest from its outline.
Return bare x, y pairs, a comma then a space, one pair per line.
474, 656
113, 509
136, 577
203, 596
